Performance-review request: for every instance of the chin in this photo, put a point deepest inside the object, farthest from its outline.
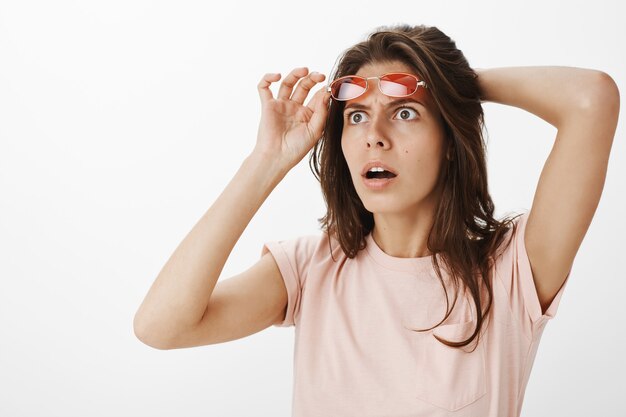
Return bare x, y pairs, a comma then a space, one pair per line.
382, 205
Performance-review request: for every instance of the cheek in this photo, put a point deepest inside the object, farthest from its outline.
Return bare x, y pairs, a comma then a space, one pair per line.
422, 160
347, 155
347, 148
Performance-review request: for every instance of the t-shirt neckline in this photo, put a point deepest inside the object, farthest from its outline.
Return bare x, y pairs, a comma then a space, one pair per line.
391, 262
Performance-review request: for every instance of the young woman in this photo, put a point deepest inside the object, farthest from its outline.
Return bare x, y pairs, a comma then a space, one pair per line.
414, 300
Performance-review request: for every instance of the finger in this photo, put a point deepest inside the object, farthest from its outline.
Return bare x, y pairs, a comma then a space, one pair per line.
264, 86
304, 86
290, 80
317, 96
321, 99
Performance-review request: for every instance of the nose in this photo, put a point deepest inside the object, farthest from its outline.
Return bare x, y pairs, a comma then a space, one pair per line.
376, 136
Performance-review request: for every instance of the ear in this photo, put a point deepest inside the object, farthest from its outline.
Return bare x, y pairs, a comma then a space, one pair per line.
450, 153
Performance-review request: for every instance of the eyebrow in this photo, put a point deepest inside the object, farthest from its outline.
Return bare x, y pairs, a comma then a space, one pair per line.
360, 106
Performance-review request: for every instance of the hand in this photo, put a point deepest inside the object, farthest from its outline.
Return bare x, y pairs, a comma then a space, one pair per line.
479, 79
288, 129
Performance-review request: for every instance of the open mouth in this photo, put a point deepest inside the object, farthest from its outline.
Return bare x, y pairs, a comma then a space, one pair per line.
379, 174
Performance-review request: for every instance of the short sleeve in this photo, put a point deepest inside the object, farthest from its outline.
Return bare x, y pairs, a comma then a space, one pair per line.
516, 275
293, 258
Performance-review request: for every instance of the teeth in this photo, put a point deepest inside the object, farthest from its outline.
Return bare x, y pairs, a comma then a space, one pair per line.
376, 169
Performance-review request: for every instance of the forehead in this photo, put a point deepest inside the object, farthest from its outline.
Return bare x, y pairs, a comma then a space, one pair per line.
380, 68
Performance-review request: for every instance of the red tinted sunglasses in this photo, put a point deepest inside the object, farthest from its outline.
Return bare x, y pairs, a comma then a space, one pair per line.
393, 84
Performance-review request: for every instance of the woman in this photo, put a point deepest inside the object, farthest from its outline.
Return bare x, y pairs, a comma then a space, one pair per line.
414, 300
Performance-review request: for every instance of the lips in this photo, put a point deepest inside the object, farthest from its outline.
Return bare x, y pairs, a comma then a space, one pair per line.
382, 165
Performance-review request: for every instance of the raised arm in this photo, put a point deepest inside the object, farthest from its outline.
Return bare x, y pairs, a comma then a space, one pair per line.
181, 308
583, 105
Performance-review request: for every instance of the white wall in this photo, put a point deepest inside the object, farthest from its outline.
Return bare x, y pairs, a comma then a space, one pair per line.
119, 128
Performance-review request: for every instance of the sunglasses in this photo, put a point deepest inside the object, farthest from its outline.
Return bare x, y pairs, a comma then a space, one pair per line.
393, 84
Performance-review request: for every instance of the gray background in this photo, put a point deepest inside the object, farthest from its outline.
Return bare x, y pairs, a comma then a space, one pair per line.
122, 121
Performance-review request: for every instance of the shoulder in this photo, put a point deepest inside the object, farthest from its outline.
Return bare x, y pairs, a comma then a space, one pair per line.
512, 227
305, 248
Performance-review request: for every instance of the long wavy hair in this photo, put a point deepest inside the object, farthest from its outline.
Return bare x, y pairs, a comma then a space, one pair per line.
464, 233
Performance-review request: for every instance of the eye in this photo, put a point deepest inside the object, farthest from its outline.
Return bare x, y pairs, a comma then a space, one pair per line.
356, 117
405, 113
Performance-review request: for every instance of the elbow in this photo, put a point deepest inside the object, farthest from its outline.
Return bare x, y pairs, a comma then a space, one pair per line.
601, 95
147, 334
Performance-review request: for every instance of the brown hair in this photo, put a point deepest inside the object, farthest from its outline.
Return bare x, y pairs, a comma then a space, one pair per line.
464, 234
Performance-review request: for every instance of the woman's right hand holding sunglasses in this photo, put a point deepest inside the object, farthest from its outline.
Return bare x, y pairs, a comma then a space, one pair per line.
289, 129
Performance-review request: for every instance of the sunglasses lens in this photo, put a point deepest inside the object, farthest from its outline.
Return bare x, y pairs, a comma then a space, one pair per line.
398, 84
348, 88
393, 84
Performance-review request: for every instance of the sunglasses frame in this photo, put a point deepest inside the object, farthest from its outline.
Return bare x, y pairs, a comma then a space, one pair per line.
420, 83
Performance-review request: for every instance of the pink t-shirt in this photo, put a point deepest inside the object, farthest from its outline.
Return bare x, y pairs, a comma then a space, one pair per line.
356, 349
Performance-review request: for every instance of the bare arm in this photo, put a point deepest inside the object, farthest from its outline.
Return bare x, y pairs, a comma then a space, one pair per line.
180, 296
583, 105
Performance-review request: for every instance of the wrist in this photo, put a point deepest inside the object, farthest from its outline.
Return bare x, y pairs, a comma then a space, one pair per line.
482, 80
265, 165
